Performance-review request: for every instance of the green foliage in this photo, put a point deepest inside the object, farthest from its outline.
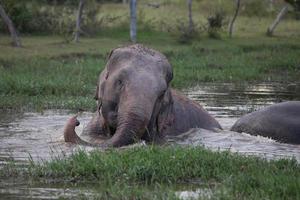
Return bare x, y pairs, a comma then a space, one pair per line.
228, 175
54, 83
19, 13
51, 74
294, 3
47, 17
215, 23
182, 32
227, 61
61, 2
258, 8
39, 17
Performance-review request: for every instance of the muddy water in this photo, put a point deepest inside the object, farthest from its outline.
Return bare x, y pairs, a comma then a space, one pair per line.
40, 134
228, 102
22, 189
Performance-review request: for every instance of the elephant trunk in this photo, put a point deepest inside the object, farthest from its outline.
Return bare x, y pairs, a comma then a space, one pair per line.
70, 134
133, 118
69, 131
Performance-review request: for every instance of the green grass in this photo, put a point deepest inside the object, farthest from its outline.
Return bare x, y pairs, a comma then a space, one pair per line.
47, 73
227, 175
47, 83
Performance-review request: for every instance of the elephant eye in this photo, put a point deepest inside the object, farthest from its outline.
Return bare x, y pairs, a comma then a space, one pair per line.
120, 83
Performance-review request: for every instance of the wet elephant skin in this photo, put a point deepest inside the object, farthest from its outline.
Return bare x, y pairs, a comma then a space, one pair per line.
280, 122
135, 100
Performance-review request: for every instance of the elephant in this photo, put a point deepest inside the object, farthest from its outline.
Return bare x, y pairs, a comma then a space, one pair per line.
135, 100
280, 122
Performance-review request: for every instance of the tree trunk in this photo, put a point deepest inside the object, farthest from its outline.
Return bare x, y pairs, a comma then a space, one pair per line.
124, 2
133, 20
238, 4
15, 39
279, 17
78, 20
191, 23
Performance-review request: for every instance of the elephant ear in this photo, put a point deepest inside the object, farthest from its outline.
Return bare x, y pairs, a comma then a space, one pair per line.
167, 68
109, 55
167, 99
99, 89
165, 118
169, 75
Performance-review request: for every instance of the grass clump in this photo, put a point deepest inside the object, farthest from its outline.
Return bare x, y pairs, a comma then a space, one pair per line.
229, 175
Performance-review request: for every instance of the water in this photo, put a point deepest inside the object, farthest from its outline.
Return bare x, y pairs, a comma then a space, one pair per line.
21, 189
228, 102
40, 135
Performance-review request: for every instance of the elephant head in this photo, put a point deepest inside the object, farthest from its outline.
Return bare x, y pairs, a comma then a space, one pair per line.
131, 91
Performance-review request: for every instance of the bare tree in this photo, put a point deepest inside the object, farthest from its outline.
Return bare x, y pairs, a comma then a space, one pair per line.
237, 8
191, 23
279, 17
78, 20
14, 35
133, 20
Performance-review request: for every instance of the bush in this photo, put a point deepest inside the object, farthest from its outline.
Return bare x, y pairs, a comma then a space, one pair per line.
215, 23
294, 3
42, 17
183, 34
18, 13
296, 6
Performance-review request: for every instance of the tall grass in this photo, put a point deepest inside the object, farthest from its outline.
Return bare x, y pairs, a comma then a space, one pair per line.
50, 74
230, 176
47, 83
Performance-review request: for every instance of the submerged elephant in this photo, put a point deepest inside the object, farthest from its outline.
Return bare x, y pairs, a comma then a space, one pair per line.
280, 122
136, 102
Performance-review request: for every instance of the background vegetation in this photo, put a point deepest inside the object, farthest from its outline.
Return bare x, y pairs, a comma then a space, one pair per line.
58, 17
50, 71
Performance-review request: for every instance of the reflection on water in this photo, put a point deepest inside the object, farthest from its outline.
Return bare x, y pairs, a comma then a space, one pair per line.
196, 194
237, 142
228, 101
12, 189
41, 134
35, 134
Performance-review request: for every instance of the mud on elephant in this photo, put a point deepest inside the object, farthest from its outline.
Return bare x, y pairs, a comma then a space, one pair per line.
136, 102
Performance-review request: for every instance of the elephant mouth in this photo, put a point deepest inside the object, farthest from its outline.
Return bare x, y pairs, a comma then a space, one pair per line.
109, 111
111, 130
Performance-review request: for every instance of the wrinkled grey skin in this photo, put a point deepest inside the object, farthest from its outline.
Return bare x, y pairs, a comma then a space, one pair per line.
280, 122
135, 100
